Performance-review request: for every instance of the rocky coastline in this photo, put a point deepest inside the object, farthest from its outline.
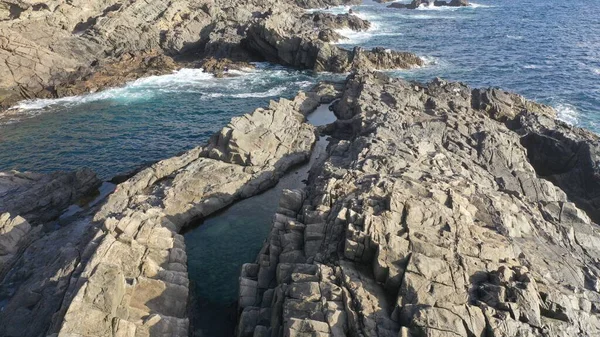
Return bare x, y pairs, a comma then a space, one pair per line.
429, 218
57, 49
438, 209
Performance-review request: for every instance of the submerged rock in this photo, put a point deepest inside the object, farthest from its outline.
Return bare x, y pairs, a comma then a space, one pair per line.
429, 217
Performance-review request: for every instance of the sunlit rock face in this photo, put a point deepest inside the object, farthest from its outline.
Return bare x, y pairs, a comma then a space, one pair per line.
429, 218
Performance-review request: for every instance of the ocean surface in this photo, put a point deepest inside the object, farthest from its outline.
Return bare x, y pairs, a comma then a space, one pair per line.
546, 50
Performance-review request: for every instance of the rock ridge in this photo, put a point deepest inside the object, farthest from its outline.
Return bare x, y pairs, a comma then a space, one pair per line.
431, 216
123, 266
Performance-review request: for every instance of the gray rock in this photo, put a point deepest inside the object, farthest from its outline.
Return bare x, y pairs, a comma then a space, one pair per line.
41, 198
430, 196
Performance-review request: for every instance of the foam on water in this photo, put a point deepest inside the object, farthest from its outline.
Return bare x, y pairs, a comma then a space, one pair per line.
332, 10
596, 71
567, 113
431, 7
245, 83
143, 88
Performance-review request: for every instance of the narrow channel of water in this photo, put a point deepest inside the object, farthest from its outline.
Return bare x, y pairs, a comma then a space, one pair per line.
219, 246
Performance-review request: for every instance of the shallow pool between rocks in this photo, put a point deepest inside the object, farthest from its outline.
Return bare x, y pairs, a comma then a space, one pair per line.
219, 246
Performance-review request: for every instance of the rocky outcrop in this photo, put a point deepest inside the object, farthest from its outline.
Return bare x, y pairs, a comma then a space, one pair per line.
121, 270
326, 3
41, 44
40, 198
282, 38
437, 3
15, 234
139, 264
430, 217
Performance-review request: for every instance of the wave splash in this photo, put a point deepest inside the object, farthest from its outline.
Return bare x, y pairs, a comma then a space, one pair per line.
246, 83
567, 113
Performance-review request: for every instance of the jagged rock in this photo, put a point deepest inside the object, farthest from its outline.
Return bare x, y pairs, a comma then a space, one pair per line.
325, 3
53, 49
282, 38
122, 269
43, 197
221, 67
429, 217
15, 234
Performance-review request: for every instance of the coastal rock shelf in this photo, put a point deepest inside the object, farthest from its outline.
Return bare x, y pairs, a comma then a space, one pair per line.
129, 275
431, 216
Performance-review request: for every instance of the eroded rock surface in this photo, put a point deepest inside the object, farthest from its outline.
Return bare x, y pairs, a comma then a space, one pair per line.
57, 48
40, 198
431, 216
122, 270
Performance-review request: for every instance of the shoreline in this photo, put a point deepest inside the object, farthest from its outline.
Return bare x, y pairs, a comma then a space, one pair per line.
435, 202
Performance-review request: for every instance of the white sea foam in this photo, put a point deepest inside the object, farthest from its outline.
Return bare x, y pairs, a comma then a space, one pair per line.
430, 17
141, 89
246, 83
430, 60
431, 7
514, 37
353, 37
474, 5
567, 113
332, 10
596, 71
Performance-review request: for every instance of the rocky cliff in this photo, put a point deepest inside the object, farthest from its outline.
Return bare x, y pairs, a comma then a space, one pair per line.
439, 211
59, 48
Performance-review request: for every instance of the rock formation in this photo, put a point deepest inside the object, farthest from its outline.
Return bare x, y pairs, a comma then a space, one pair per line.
281, 38
56, 48
40, 198
121, 270
432, 216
